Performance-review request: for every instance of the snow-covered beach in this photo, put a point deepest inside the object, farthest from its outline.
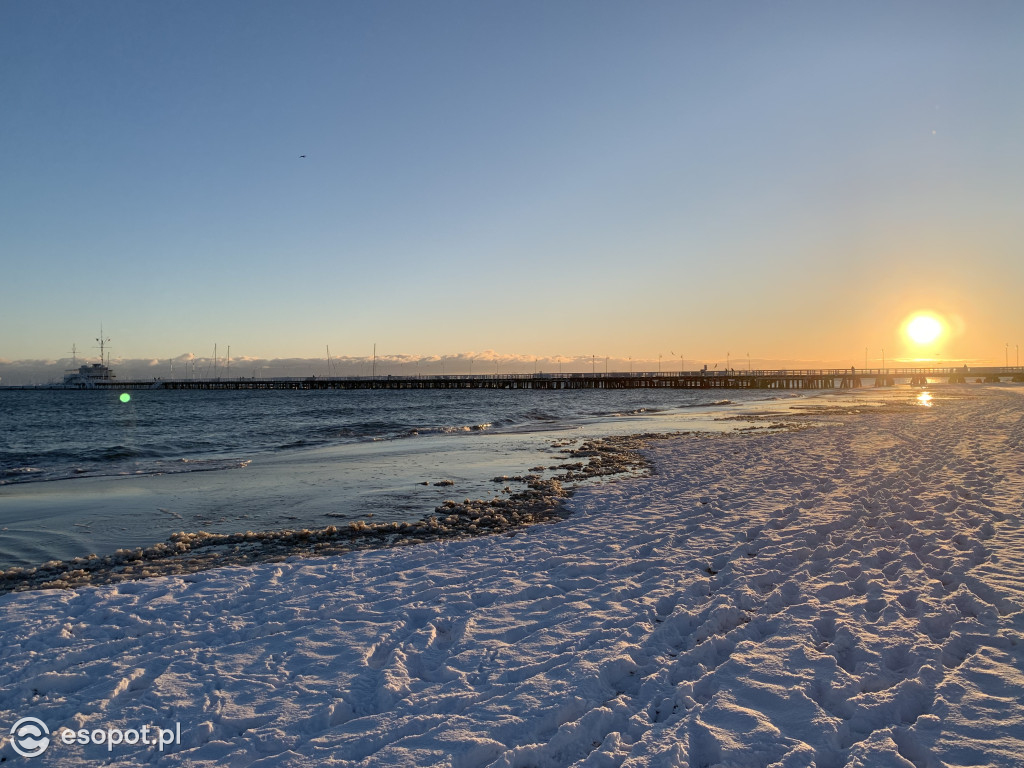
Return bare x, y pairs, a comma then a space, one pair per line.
849, 594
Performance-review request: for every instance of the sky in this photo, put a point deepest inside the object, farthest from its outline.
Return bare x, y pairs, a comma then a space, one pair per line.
511, 180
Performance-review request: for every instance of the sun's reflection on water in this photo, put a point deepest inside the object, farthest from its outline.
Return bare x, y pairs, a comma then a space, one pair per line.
925, 399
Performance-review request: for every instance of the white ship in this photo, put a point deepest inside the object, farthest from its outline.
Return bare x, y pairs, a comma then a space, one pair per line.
90, 374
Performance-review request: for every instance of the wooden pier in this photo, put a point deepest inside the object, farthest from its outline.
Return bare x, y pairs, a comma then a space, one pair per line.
732, 379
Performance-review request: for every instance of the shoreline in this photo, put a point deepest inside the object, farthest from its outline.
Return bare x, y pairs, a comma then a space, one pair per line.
542, 500
403, 481
185, 553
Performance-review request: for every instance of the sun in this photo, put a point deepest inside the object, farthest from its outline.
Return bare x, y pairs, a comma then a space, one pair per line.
924, 327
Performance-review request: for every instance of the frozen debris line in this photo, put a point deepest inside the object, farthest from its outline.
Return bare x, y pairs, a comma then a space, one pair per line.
542, 501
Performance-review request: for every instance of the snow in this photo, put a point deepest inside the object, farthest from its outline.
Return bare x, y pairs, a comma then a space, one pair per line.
847, 594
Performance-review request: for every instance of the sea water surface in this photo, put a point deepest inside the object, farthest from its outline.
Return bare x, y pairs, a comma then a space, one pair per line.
82, 472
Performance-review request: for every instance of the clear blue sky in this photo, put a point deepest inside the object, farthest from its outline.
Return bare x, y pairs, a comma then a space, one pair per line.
788, 179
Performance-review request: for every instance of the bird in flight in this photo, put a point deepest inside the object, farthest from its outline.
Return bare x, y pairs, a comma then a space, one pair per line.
301, 155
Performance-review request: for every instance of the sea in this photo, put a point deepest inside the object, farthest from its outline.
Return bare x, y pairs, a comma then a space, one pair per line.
89, 472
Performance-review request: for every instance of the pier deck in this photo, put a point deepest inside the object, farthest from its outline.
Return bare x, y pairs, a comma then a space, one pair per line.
733, 379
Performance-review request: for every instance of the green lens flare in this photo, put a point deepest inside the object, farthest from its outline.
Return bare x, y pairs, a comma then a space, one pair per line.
125, 397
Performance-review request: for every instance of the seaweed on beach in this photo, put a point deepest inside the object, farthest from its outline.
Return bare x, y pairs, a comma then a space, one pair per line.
542, 501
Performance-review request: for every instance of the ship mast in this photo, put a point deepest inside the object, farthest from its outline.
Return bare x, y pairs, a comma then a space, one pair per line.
102, 341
